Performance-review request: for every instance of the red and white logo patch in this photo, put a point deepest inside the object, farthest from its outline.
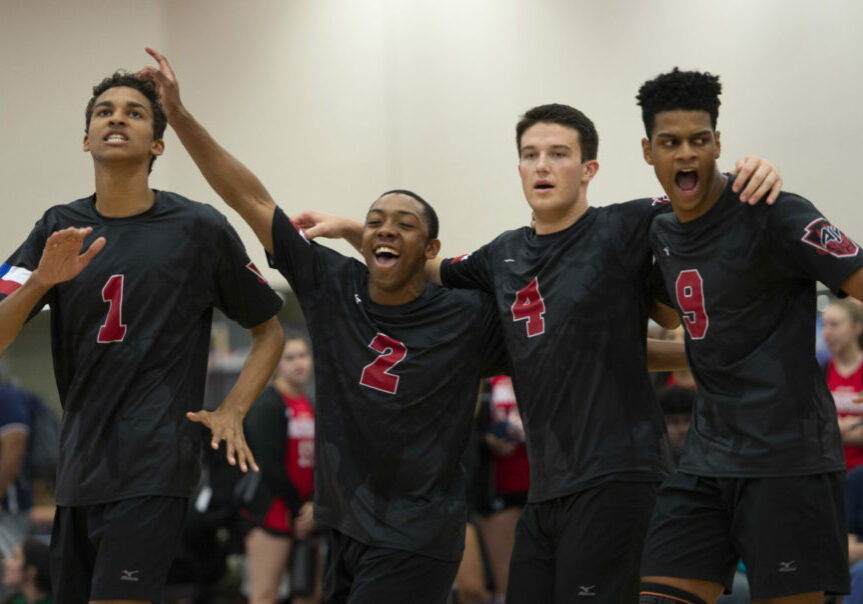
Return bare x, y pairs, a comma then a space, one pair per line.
459, 258
251, 266
828, 239
661, 201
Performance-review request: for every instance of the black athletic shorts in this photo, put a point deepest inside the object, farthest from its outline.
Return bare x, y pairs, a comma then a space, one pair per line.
790, 532
363, 574
120, 550
582, 547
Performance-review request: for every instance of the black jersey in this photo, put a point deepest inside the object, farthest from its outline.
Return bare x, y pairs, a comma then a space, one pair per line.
574, 308
743, 280
395, 390
130, 338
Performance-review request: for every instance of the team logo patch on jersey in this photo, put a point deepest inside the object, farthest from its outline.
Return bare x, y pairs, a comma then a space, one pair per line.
661, 201
251, 266
459, 258
828, 239
300, 231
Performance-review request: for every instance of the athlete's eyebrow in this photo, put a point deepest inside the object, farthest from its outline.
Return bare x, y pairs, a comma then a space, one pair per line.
704, 132
129, 104
404, 212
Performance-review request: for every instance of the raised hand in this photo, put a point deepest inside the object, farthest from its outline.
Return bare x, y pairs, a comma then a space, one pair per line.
166, 82
227, 426
61, 258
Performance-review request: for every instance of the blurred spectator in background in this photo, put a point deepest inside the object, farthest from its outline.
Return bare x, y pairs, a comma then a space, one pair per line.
511, 481
16, 423
676, 403
26, 572
842, 322
280, 430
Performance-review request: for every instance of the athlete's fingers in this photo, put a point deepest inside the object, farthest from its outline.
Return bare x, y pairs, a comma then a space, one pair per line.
199, 417
164, 66
231, 453
753, 182
858, 399
94, 249
775, 190
743, 169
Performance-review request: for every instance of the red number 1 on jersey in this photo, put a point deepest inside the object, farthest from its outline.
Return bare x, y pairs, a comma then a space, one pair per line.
530, 306
376, 374
113, 330
690, 297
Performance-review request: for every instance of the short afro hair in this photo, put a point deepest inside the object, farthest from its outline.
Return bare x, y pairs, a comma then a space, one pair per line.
564, 115
430, 215
687, 90
143, 85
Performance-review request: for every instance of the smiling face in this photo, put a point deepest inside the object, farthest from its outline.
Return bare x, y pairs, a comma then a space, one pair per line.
396, 245
121, 128
683, 149
553, 176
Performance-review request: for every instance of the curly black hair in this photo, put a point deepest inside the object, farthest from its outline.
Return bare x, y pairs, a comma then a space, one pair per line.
564, 115
688, 90
428, 211
143, 85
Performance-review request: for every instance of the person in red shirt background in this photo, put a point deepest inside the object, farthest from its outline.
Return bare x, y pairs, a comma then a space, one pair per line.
842, 322
280, 430
511, 473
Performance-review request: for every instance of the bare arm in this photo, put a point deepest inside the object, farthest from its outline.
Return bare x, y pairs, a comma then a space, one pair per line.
666, 355
855, 549
226, 422
229, 178
664, 315
61, 261
853, 285
13, 446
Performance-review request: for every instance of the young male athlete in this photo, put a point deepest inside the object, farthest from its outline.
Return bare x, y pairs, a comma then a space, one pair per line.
573, 297
130, 325
762, 477
397, 364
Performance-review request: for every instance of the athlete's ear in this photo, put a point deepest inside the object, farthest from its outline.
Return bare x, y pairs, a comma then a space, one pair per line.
591, 167
645, 149
86, 147
432, 248
718, 144
158, 147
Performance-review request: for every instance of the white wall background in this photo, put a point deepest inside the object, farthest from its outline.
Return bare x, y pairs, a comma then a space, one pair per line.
331, 102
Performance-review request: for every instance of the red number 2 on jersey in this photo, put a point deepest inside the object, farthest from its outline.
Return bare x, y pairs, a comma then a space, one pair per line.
690, 297
529, 305
376, 374
113, 330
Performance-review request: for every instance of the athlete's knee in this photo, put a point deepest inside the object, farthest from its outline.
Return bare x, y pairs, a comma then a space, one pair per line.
657, 593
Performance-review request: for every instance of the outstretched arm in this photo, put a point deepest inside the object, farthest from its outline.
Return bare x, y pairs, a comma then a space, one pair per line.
226, 422
61, 261
320, 224
666, 355
230, 179
760, 177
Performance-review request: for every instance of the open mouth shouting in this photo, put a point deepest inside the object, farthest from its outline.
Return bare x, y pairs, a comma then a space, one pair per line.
385, 255
686, 180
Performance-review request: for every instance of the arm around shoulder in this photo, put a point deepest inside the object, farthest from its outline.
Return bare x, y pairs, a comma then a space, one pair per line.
853, 285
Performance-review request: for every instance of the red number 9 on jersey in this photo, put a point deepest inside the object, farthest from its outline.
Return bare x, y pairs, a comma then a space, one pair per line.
690, 298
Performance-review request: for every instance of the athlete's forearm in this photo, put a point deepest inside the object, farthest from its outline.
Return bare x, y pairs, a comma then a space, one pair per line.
228, 177
267, 344
16, 307
666, 355
664, 315
853, 286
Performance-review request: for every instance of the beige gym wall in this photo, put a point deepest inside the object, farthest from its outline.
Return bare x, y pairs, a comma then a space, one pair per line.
331, 102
